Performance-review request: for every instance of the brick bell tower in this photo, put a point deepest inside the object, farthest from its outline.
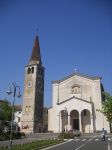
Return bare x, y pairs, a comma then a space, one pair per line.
33, 99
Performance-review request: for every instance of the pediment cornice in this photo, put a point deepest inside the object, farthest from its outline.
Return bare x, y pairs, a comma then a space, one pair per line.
80, 99
76, 74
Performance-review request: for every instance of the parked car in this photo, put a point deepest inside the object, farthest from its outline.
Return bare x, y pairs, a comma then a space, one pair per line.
75, 132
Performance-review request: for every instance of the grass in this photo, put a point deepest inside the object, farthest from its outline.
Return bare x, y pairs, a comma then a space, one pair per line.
37, 145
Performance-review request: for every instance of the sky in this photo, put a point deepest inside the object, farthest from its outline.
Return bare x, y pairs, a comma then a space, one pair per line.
73, 34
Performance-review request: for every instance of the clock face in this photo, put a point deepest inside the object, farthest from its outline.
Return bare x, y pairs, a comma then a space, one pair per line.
29, 84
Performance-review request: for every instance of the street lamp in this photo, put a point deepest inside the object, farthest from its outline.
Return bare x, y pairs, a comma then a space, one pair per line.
9, 92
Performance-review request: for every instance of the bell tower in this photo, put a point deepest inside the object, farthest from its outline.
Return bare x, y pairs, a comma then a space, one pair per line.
33, 99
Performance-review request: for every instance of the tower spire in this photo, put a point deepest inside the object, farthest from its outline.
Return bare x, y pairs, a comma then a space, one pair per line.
35, 56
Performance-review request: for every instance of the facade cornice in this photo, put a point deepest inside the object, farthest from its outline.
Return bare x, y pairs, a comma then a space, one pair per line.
75, 98
76, 74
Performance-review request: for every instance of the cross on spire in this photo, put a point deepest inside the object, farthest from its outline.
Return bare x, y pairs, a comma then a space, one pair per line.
37, 31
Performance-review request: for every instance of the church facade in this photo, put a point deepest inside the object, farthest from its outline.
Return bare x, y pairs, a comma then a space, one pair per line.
33, 99
76, 102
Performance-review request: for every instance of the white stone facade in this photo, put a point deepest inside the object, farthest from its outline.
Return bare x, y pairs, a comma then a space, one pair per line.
76, 100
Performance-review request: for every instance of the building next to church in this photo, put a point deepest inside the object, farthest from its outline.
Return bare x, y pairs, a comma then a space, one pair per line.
33, 99
75, 104
17, 115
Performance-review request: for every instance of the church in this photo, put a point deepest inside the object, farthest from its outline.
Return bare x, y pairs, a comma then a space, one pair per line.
76, 101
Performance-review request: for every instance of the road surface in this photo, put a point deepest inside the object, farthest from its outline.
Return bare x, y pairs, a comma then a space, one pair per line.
85, 143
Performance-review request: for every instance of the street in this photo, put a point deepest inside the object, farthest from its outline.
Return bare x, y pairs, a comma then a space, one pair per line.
88, 142
85, 143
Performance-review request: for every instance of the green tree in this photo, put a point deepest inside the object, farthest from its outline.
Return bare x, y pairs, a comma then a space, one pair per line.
107, 108
5, 115
5, 111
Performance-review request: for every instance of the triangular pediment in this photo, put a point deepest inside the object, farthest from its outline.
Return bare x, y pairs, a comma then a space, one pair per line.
77, 75
73, 97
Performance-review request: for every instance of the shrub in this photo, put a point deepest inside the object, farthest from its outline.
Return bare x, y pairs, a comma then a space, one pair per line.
18, 135
66, 136
34, 145
15, 135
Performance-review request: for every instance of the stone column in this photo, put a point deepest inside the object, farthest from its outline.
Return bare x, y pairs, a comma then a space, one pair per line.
80, 124
91, 124
59, 122
69, 125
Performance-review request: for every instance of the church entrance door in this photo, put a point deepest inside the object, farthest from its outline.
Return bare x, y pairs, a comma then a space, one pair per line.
74, 119
76, 124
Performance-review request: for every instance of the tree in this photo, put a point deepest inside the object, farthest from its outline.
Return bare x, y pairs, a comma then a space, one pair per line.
5, 115
107, 108
5, 111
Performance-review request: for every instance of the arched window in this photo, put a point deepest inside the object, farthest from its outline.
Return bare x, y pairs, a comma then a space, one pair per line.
41, 71
29, 108
28, 71
76, 89
26, 108
32, 69
85, 112
19, 119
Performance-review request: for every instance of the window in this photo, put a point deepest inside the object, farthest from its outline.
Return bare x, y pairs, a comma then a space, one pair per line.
32, 69
26, 108
85, 112
38, 70
41, 71
76, 89
19, 119
29, 108
28, 71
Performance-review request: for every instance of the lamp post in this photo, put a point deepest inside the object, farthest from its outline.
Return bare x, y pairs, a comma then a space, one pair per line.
9, 92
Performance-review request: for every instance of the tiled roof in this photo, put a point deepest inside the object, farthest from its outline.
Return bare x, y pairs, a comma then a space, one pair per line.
18, 107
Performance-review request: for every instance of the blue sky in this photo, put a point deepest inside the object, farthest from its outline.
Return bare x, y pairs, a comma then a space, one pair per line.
72, 34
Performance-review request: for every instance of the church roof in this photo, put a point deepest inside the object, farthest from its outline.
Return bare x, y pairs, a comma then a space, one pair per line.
18, 107
35, 56
77, 74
